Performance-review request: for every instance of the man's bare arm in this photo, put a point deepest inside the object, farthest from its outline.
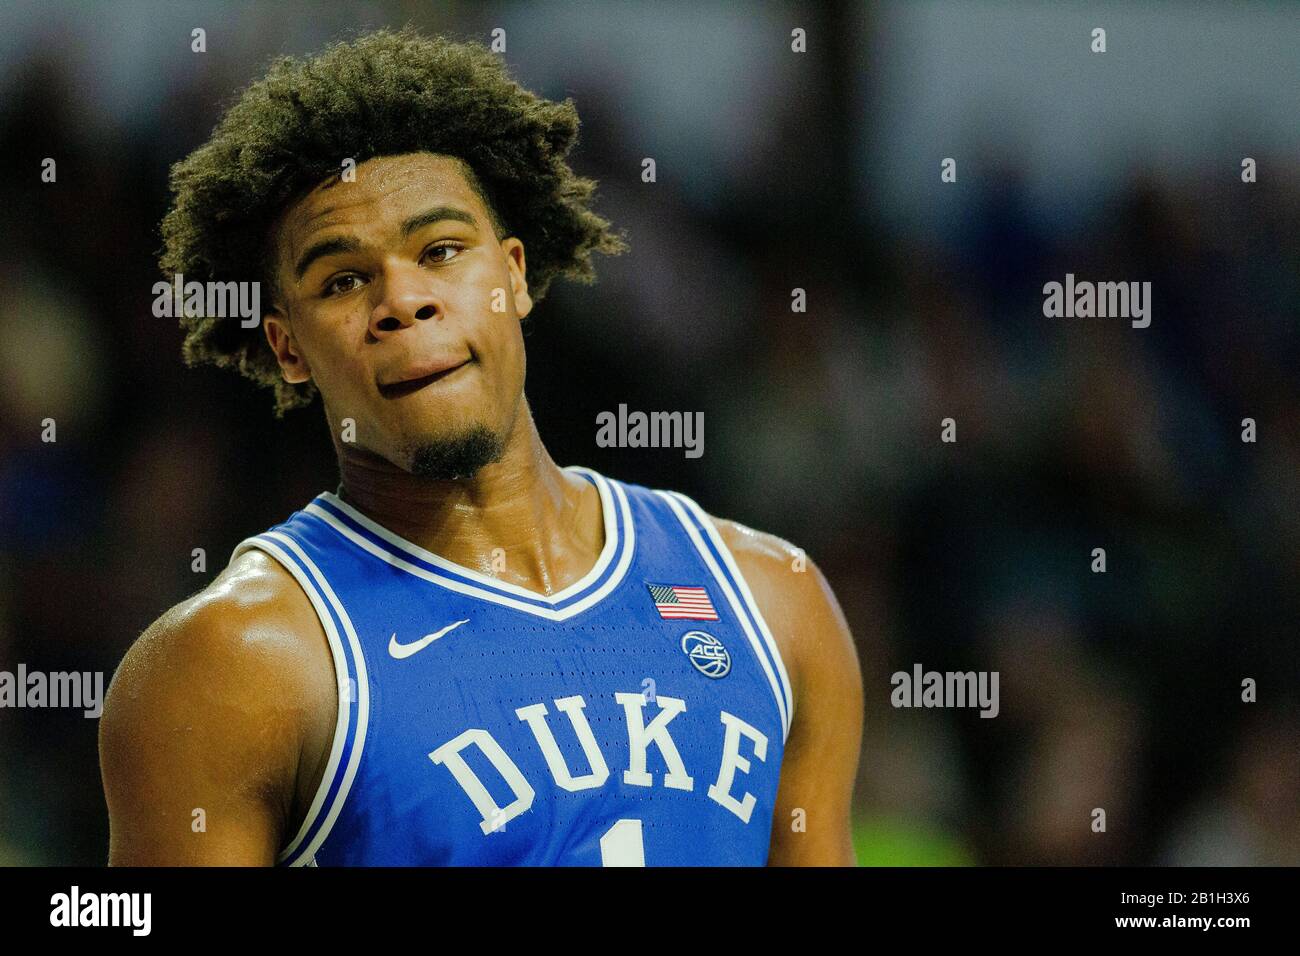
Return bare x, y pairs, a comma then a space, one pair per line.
820, 762
203, 731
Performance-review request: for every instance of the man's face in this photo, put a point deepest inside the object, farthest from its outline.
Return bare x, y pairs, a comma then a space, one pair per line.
387, 289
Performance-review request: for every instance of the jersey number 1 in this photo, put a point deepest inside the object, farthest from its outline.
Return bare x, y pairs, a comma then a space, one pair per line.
622, 845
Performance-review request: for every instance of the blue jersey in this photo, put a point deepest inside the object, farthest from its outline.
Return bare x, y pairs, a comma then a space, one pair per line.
635, 718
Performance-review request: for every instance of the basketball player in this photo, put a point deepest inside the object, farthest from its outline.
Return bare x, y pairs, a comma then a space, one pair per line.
466, 655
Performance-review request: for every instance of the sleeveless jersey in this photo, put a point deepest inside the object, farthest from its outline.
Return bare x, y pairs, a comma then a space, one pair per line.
635, 718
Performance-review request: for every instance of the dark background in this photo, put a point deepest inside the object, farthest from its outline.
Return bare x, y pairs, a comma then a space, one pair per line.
776, 171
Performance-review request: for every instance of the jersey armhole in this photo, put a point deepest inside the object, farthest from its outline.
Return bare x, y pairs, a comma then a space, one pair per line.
352, 702
720, 561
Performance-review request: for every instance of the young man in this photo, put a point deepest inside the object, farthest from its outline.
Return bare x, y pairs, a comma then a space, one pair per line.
467, 655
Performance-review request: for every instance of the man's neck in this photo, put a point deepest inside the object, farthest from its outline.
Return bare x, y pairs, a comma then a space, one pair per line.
521, 519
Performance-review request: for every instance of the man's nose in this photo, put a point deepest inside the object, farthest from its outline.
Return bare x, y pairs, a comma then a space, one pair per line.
407, 299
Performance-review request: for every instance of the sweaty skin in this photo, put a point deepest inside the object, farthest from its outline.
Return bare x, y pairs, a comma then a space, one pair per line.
218, 723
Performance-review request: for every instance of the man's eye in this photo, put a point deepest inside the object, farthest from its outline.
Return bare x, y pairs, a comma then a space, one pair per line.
452, 250
341, 284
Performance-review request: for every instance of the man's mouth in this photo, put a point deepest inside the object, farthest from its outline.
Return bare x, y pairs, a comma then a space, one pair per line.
418, 378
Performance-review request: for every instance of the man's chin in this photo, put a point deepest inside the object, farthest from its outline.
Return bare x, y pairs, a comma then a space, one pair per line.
455, 457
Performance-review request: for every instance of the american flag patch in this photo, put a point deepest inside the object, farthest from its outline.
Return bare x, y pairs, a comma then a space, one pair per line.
678, 603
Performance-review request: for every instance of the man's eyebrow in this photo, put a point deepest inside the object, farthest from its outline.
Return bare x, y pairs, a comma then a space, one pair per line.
326, 247
437, 214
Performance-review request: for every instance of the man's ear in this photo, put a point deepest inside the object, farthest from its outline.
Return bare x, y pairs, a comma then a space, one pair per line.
518, 267
293, 364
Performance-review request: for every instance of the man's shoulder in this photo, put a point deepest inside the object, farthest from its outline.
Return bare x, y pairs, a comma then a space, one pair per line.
792, 594
777, 571
251, 634
760, 551
784, 579
228, 696
252, 606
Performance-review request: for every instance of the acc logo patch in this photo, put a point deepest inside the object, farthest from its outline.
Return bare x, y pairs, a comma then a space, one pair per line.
706, 654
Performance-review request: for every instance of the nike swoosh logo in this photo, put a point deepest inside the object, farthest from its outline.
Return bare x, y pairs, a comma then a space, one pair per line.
401, 651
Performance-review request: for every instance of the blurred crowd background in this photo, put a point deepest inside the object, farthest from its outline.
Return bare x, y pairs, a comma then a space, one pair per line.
776, 171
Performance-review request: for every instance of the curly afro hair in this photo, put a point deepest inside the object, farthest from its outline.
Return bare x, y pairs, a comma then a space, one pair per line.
382, 94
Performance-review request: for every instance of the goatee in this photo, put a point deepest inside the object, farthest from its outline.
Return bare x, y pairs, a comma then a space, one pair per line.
457, 457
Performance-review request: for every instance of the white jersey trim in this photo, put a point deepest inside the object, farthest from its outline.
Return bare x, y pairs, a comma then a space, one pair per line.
780, 685
628, 548
607, 552
317, 592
